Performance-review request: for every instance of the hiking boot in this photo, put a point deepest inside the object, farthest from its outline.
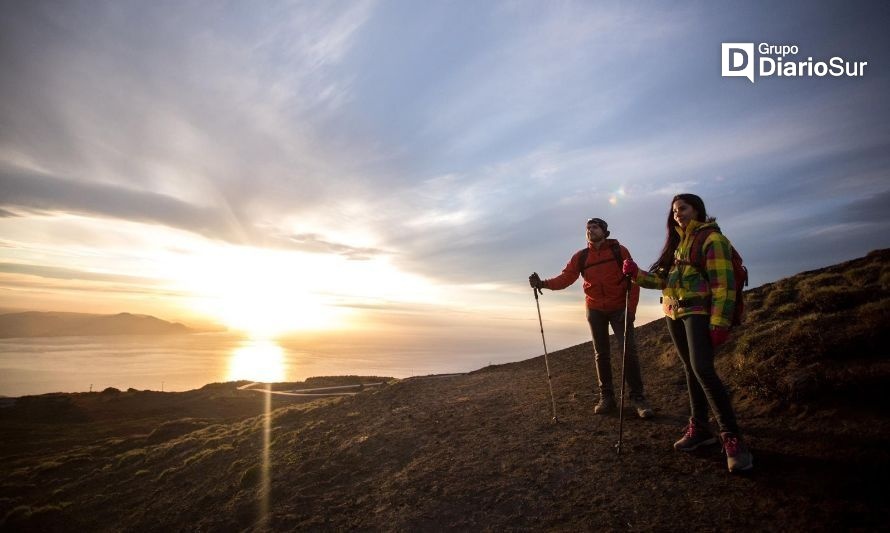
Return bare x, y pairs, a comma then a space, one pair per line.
696, 435
738, 458
642, 407
605, 405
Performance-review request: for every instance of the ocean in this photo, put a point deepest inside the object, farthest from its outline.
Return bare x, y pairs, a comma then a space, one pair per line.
185, 362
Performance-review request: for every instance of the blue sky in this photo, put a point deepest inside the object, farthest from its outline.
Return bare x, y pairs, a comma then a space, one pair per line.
410, 163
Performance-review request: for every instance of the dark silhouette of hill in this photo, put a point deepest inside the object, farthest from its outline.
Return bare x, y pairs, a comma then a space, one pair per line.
478, 451
56, 324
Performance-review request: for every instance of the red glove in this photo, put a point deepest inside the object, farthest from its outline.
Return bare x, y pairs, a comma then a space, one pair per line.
719, 335
629, 268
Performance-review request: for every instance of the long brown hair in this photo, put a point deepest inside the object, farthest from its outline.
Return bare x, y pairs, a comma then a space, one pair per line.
666, 258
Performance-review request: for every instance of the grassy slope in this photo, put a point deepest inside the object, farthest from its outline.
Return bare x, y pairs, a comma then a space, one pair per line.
478, 451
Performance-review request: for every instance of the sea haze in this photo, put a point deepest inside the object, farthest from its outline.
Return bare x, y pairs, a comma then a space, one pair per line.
182, 362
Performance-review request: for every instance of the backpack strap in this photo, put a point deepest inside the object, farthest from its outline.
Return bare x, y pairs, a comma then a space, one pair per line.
696, 255
616, 251
582, 258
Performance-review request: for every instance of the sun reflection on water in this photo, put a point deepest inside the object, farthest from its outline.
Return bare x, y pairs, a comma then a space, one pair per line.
257, 360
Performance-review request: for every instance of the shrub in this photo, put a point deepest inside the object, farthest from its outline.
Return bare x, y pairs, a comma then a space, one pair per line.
250, 477
204, 454
175, 428
788, 310
884, 281
41, 518
131, 457
165, 474
836, 298
862, 276
819, 281
780, 296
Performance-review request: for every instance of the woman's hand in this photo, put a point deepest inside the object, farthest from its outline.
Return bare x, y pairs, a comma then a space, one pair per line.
629, 268
719, 335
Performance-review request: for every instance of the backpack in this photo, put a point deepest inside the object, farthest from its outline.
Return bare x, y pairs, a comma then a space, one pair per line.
739, 271
582, 258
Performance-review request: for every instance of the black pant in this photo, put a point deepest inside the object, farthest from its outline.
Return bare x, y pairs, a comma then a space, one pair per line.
599, 327
691, 335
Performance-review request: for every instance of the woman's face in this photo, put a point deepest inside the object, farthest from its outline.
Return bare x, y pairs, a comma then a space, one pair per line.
683, 213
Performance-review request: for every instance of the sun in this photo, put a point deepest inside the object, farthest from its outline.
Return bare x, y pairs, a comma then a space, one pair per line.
257, 360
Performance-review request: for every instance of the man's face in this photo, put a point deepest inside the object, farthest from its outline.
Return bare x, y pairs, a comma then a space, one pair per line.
595, 233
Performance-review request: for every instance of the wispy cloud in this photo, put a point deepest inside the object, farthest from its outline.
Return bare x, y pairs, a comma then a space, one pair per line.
310, 242
47, 193
52, 272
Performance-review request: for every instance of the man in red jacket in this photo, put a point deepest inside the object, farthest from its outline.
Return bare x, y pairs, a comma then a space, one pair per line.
604, 288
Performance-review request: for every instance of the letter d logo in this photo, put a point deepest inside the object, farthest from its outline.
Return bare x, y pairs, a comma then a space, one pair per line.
738, 60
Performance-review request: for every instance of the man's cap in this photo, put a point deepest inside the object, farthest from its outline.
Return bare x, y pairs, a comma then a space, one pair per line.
599, 222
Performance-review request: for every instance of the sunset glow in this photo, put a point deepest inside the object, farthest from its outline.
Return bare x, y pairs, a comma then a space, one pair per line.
266, 292
262, 293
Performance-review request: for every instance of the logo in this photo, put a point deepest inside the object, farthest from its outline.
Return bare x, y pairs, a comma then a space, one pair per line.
738, 60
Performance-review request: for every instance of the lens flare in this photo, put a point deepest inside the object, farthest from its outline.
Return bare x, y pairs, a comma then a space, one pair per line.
266, 479
618, 194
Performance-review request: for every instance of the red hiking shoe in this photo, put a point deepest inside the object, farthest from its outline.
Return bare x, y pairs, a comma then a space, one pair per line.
738, 458
695, 435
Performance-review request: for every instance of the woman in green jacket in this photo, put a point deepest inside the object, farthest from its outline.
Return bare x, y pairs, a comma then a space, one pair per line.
698, 306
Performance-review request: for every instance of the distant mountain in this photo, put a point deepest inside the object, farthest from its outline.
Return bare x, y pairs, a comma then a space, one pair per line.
55, 324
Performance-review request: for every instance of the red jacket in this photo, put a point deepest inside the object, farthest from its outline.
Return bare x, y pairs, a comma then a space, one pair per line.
603, 286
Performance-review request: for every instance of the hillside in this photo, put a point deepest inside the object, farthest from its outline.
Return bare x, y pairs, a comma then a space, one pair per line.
478, 451
55, 324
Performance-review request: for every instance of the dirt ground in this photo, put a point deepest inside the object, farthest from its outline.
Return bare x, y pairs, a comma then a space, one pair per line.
468, 452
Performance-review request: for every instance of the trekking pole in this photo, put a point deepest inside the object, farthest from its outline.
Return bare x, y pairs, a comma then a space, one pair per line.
623, 366
546, 364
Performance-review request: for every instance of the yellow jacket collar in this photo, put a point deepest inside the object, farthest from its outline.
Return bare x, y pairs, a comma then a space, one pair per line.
691, 227
694, 226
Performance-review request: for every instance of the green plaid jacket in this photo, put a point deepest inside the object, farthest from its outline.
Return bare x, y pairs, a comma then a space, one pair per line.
715, 292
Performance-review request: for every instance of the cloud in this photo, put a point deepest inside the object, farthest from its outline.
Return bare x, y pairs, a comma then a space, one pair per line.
310, 242
52, 272
232, 111
48, 193
872, 209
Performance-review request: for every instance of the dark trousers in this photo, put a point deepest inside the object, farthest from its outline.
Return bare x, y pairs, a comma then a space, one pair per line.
599, 327
691, 335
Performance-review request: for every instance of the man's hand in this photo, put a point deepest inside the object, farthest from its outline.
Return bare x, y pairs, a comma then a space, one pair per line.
719, 335
629, 268
535, 281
